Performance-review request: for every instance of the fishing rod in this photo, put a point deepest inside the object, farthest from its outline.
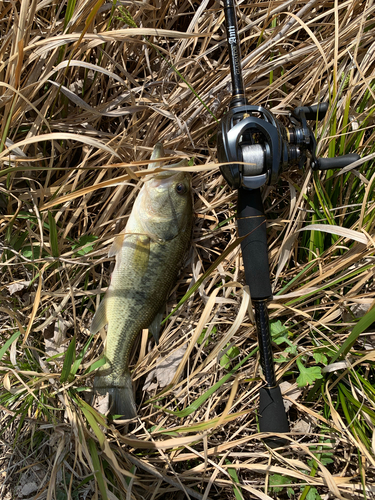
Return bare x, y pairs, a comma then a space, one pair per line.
252, 135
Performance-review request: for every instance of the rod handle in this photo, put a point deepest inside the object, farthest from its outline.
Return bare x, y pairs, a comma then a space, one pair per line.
252, 221
272, 415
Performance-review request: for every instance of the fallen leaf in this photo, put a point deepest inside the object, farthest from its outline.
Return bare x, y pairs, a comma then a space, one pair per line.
303, 426
18, 286
291, 391
359, 310
56, 342
165, 370
356, 311
27, 489
101, 403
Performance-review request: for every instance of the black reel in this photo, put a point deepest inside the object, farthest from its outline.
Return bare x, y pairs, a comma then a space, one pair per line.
252, 135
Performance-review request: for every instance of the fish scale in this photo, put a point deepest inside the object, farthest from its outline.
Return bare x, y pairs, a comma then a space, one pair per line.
130, 301
148, 257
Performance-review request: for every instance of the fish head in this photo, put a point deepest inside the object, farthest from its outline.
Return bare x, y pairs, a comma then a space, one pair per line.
166, 204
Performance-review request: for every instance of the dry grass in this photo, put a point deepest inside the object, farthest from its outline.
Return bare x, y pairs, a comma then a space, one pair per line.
83, 100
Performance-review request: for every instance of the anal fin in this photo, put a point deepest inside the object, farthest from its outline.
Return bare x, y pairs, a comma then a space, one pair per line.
100, 318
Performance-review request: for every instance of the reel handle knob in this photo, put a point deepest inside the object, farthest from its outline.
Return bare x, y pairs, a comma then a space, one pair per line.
315, 112
338, 162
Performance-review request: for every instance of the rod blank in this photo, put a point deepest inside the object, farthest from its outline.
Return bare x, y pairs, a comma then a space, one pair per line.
238, 92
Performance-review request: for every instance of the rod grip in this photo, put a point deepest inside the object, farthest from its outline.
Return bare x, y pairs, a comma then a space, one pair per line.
252, 221
272, 416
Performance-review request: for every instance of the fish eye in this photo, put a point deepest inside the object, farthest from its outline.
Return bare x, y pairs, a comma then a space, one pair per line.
180, 188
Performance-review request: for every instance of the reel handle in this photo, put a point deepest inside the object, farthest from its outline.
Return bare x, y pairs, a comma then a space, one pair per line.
338, 162
315, 112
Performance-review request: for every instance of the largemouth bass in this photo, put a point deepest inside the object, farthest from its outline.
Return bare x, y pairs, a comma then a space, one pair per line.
148, 257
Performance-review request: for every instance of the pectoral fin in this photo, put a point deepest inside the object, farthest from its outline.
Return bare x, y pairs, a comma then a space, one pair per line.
135, 247
100, 318
141, 253
116, 245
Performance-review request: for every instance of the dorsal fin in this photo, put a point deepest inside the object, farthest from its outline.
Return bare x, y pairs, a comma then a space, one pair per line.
158, 152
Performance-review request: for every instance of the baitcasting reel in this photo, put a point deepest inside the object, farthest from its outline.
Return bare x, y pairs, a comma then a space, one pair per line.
253, 135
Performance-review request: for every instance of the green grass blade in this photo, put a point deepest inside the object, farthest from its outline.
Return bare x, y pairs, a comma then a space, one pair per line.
324, 287
293, 280
345, 124
233, 474
68, 361
97, 364
97, 469
81, 355
53, 237
94, 425
69, 12
7, 126
8, 343
362, 325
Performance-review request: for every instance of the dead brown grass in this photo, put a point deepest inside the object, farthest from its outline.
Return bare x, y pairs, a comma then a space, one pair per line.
83, 102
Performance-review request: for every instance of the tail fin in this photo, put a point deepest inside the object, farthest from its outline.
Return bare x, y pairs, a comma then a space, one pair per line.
120, 390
